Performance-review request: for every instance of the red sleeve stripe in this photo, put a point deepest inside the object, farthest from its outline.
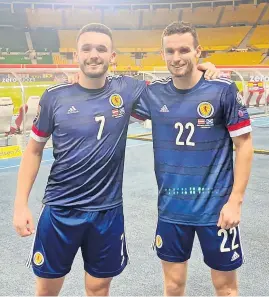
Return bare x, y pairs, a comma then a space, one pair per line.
239, 125
39, 133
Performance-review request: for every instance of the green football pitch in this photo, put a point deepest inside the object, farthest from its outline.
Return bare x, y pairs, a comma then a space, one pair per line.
14, 91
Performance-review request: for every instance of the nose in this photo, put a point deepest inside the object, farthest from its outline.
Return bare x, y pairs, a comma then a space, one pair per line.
93, 54
176, 56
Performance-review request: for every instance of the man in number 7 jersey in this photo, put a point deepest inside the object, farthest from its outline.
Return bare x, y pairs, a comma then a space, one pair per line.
88, 122
195, 123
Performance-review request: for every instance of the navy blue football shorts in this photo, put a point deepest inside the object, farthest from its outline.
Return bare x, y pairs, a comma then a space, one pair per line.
62, 231
221, 248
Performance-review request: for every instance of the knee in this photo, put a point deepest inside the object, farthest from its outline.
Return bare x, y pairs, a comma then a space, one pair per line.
224, 287
98, 287
175, 287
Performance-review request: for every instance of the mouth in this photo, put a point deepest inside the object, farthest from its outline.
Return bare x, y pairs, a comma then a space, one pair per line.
93, 64
178, 66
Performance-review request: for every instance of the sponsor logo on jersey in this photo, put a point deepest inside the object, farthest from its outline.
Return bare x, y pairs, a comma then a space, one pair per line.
118, 112
235, 256
205, 110
159, 241
116, 100
38, 259
164, 109
205, 123
72, 109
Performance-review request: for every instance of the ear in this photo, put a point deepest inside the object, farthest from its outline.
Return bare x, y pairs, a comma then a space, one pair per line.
162, 54
113, 57
198, 51
75, 57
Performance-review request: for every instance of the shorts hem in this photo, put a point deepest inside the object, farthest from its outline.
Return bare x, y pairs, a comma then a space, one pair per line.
178, 222
49, 275
105, 274
231, 267
171, 258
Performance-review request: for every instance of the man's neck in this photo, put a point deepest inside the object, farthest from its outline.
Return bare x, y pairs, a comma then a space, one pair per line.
188, 81
91, 83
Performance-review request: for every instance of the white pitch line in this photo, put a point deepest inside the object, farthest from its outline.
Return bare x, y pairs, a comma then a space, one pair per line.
49, 160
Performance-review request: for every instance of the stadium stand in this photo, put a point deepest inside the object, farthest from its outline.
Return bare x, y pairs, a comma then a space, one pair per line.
260, 37
220, 29
246, 14
13, 38
159, 18
67, 39
75, 19
121, 18
45, 40
265, 18
222, 38
44, 17
17, 20
203, 16
236, 58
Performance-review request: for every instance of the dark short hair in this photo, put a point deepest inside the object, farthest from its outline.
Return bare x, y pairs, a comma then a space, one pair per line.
95, 27
181, 28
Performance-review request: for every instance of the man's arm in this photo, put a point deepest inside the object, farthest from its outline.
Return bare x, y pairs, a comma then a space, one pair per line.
28, 170
243, 160
41, 131
238, 124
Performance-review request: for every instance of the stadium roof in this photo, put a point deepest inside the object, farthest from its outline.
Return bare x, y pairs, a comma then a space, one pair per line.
129, 3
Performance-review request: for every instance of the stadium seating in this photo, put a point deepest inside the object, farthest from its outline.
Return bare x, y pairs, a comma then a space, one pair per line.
60, 60
260, 37
75, 19
121, 18
203, 16
45, 39
44, 17
265, 18
17, 20
67, 40
236, 58
222, 38
242, 14
159, 18
13, 38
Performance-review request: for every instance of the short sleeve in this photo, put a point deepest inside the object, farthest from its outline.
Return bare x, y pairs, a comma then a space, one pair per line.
44, 121
236, 116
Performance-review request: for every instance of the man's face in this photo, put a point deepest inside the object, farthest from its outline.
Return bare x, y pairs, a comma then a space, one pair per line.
180, 54
94, 54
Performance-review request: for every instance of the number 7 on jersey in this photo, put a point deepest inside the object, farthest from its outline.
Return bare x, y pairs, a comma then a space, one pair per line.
102, 124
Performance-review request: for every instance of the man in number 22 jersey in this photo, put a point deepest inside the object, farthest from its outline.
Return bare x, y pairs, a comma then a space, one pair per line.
88, 123
194, 126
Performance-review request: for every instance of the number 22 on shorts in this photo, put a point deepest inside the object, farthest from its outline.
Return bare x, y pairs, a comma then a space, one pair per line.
224, 232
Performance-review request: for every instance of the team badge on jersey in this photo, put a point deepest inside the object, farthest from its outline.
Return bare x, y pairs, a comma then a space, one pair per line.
205, 110
38, 259
116, 100
159, 241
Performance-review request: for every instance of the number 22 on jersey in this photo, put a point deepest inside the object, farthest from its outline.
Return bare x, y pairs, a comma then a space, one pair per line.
188, 126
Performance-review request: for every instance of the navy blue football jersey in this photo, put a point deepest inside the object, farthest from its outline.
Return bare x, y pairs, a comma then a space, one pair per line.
192, 134
89, 132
